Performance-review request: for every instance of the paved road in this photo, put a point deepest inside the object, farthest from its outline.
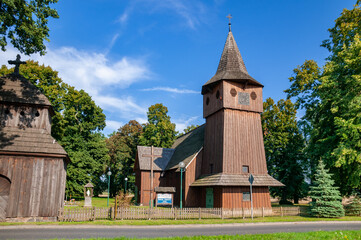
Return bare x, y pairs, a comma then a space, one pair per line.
88, 231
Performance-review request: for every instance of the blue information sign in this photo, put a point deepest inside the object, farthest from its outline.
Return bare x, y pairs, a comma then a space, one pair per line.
164, 199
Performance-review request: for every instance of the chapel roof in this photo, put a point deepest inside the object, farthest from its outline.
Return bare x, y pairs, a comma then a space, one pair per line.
14, 88
29, 140
231, 66
225, 179
184, 149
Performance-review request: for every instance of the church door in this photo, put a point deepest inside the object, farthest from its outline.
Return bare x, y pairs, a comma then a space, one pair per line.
4, 197
209, 197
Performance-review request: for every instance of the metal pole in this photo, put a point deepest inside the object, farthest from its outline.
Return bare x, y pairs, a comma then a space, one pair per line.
125, 187
251, 202
151, 177
108, 189
181, 186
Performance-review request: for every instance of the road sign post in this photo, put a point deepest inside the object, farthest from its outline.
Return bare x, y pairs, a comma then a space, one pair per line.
251, 179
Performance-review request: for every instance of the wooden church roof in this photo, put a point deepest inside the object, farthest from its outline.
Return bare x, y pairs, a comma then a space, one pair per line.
184, 149
14, 88
231, 66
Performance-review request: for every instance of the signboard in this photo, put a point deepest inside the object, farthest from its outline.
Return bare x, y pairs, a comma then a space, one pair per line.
251, 179
243, 98
164, 199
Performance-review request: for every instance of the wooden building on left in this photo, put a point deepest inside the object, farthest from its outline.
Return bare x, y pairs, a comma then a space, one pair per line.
32, 163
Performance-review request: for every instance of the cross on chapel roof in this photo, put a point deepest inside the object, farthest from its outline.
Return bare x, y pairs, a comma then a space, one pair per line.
17, 63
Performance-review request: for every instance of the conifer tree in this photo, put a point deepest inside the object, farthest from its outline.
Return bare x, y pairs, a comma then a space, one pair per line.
327, 201
354, 208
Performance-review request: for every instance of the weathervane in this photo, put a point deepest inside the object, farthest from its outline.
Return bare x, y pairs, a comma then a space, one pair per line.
229, 18
17, 63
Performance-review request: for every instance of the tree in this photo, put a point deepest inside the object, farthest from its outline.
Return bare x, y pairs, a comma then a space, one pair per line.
284, 146
331, 97
327, 201
24, 23
159, 131
75, 125
190, 128
122, 147
354, 208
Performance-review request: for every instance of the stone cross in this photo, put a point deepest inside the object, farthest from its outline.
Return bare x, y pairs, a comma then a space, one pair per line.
152, 156
17, 63
229, 18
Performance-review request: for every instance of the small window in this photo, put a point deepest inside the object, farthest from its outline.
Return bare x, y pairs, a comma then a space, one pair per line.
211, 166
37, 114
233, 92
246, 196
217, 94
207, 101
245, 169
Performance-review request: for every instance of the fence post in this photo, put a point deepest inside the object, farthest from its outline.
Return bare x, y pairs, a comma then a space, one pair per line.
299, 211
281, 212
263, 212
232, 212
222, 213
175, 213
121, 213
199, 213
60, 215
243, 216
149, 214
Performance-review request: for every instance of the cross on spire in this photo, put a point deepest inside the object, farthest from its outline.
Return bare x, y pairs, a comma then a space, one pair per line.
17, 63
229, 18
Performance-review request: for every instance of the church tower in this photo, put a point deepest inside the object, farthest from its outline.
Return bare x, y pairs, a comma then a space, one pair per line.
233, 137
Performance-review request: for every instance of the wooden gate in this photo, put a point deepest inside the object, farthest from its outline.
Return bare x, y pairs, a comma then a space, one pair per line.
4, 196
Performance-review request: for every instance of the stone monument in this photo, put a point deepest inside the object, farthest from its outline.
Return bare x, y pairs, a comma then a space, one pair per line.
88, 194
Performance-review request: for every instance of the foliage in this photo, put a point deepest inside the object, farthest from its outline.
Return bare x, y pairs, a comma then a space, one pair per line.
190, 128
123, 200
284, 146
24, 23
75, 125
159, 131
354, 208
327, 201
122, 147
331, 97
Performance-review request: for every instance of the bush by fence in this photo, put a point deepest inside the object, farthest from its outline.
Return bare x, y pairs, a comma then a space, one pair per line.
96, 213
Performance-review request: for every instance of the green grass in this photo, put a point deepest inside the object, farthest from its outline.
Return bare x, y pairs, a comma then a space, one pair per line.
333, 235
96, 202
195, 221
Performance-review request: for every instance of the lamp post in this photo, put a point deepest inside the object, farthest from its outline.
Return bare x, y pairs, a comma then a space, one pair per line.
125, 189
181, 166
109, 173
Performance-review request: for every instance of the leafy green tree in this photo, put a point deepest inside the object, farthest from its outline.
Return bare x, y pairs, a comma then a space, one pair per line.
331, 97
122, 147
284, 146
190, 128
24, 23
75, 125
327, 201
159, 131
354, 208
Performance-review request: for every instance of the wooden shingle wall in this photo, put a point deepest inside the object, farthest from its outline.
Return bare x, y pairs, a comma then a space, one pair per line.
232, 197
33, 117
37, 185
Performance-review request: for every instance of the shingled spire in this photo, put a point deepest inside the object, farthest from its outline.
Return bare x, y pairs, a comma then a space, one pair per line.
231, 66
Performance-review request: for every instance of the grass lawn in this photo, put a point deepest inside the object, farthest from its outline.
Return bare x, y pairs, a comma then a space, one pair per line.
195, 221
345, 235
96, 202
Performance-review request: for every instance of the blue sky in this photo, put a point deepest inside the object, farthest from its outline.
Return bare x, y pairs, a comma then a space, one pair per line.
129, 55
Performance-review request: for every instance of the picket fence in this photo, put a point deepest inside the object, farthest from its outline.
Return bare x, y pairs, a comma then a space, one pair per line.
96, 213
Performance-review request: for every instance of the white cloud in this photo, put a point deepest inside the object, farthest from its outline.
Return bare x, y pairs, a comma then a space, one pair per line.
181, 124
112, 126
168, 89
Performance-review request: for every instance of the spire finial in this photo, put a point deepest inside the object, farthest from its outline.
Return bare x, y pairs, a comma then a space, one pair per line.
229, 18
17, 63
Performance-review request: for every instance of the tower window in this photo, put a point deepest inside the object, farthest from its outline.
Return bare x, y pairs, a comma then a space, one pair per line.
217, 94
253, 95
233, 92
211, 166
207, 101
245, 169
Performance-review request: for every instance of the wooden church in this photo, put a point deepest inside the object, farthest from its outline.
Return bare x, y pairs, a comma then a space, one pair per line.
32, 163
220, 155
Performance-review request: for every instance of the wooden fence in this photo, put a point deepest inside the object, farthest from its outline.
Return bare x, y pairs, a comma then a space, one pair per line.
96, 213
